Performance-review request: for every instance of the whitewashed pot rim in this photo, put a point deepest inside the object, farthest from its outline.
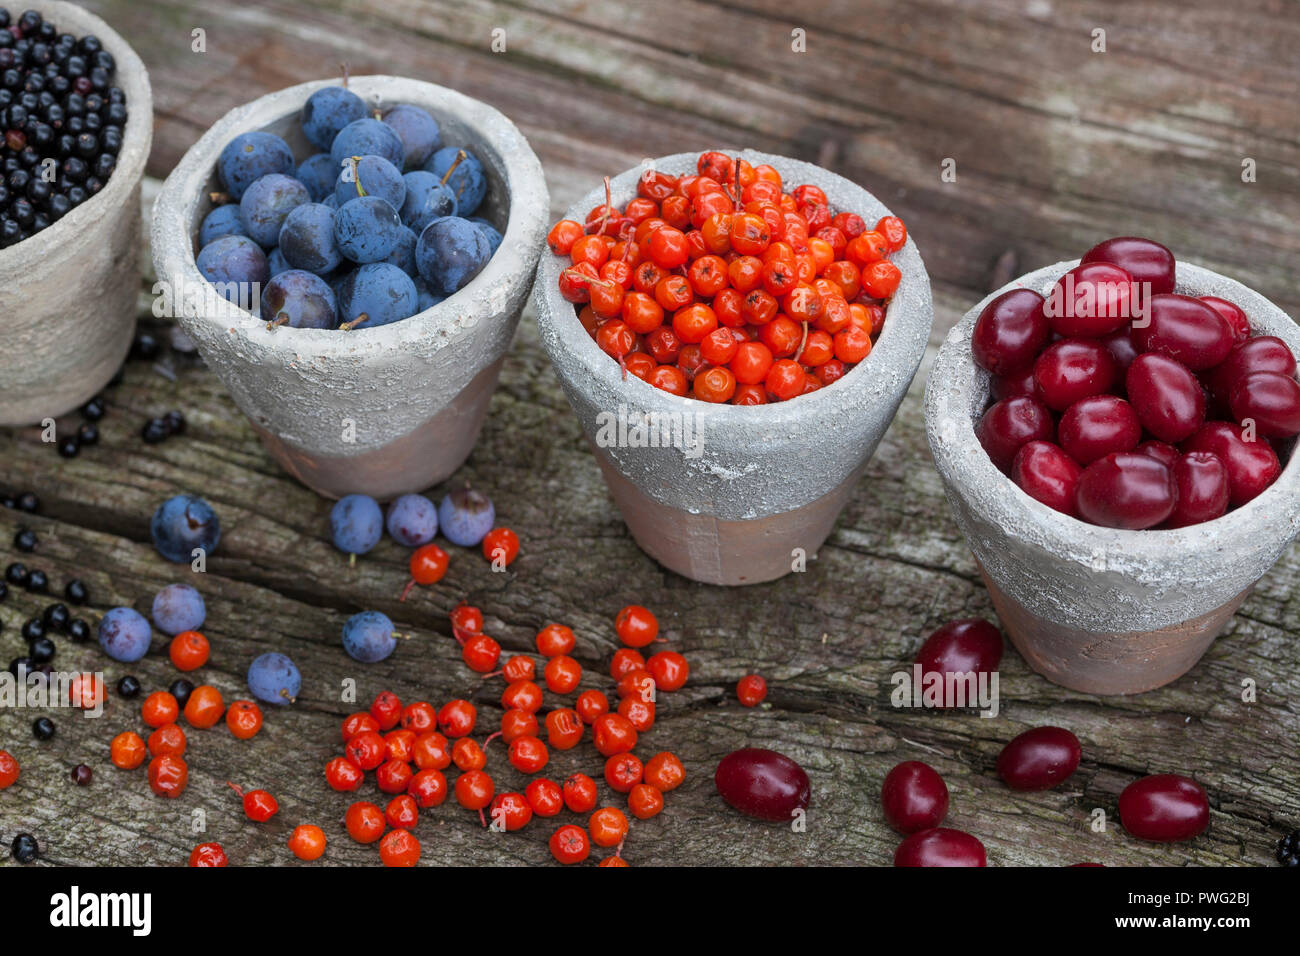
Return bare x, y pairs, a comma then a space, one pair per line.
425, 332
137, 138
958, 391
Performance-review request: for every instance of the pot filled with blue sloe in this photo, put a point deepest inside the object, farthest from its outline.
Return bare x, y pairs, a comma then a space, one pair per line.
76, 123
351, 257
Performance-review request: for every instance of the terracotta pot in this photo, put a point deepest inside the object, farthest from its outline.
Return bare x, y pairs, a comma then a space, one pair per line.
386, 410
1097, 609
730, 494
69, 292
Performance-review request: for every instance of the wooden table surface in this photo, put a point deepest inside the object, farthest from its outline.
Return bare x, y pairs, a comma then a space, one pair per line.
1055, 147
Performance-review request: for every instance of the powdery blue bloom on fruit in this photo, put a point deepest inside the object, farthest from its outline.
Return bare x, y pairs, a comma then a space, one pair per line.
236, 266
368, 637
377, 176
450, 253
367, 229
124, 634
412, 520
307, 239
427, 199
403, 256
426, 297
493, 237
250, 156
466, 516
318, 172
178, 607
267, 202
417, 130
300, 300
274, 678
181, 525
327, 111
356, 524
277, 263
468, 180
376, 294
221, 221
367, 137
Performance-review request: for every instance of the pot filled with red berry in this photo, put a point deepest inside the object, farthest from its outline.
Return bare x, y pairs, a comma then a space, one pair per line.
76, 122
1115, 438
351, 257
735, 332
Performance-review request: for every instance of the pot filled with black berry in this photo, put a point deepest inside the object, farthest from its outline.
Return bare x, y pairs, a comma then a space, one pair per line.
351, 257
735, 332
76, 121
1115, 438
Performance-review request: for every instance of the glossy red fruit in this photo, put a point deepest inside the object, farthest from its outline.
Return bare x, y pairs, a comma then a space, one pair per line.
914, 797
1164, 808
1039, 759
1009, 424
1167, 397
1126, 490
964, 646
1252, 465
763, 784
1019, 385
940, 846
1092, 300
1263, 353
1269, 399
1161, 451
1144, 259
1094, 427
1185, 329
1072, 369
1233, 313
1010, 332
1203, 489
1047, 474
1121, 348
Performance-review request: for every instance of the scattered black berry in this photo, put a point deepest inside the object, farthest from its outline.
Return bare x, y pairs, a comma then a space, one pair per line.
88, 434
145, 346
181, 690
128, 687
1288, 849
43, 728
69, 447
154, 431
24, 848
16, 573
175, 423
32, 629
79, 630
82, 775
93, 410
25, 540
41, 650
27, 501
37, 582
56, 617
20, 663
75, 591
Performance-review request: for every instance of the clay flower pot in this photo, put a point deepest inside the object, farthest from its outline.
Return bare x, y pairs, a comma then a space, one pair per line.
68, 293
383, 410
727, 494
1096, 609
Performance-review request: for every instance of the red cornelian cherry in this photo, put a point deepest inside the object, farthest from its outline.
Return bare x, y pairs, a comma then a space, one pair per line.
1232, 314
1252, 465
1185, 329
751, 689
914, 797
963, 646
1164, 808
1203, 489
1010, 332
1167, 397
1047, 474
763, 784
1126, 490
940, 846
544, 796
1010, 424
1270, 400
1094, 427
1039, 759
1071, 369
1144, 259
1092, 300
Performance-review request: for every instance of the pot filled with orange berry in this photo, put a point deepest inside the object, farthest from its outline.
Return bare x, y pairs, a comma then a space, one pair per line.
1115, 437
735, 332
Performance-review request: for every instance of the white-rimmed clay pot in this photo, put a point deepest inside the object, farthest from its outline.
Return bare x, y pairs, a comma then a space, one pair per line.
382, 411
1097, 609
739, 495
68, 293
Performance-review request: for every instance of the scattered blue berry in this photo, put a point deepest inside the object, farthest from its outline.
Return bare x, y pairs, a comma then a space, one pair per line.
466, 516
356, 524
124, 634
178, 607
412, 520
274, 678
182, 524
368, 637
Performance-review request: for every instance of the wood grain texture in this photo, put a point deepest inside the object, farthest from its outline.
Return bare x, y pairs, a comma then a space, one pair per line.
1055, 147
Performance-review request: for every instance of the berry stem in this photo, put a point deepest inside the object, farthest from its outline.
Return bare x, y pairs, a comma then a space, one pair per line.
460, 154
